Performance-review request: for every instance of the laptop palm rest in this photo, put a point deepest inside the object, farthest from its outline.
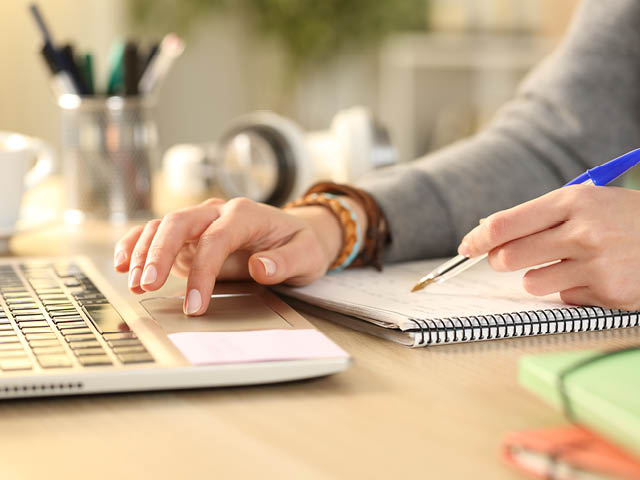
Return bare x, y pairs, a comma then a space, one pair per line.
226, 313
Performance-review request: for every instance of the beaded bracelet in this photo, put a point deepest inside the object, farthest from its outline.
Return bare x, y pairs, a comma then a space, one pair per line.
377, 235
351, 234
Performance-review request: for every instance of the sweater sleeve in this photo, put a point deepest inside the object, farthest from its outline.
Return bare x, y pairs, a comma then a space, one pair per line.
580, 107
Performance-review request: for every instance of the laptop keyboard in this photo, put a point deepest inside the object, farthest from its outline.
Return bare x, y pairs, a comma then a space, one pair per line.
53, 316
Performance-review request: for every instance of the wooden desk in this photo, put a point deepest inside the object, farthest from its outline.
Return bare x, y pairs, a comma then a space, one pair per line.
437, 412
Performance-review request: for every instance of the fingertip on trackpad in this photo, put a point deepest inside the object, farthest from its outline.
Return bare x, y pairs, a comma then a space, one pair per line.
226, 313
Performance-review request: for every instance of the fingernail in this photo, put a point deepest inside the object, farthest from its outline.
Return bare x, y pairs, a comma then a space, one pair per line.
481, 220
119, 258
194, 302
269, 266
463, 249
134, 277
149, 275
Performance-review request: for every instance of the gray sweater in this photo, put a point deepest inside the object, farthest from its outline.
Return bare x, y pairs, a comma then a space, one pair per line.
579, 108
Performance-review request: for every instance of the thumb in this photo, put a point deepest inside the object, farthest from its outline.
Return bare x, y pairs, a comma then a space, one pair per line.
300, 261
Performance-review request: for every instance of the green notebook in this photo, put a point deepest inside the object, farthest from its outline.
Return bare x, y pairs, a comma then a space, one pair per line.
603, 395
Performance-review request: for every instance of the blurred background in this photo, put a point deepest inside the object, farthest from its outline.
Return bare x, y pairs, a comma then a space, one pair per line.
417, 63
431, 71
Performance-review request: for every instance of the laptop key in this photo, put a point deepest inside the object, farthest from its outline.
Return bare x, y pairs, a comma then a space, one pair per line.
46, 329
61, 307
61, 320
21, 318
33, 323
48, 350
73, 332
54, 296
135, 357
106, 318
31, 311
54, 361
94, 360
89, 296
64, 313
24, 306
82, 345
44, 343
83, 337
40, 336
13, 354
19, 293
71, 325
19, 363
129, 349
48, 303
89, 351
84, 328
48, 291
92, 302
19, 300
123, 341
118, 335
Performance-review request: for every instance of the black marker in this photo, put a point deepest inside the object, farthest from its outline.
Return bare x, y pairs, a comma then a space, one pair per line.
58, 65
61, 81
131, 68
66, 53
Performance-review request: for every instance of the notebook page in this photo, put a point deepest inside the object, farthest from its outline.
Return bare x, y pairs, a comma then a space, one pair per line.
385, 297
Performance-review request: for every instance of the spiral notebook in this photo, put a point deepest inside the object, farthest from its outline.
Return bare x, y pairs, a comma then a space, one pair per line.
479, 304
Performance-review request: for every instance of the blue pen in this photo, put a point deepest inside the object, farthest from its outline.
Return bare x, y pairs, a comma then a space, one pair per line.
600, 176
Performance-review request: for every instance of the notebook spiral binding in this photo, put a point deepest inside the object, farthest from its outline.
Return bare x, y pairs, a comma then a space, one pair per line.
519, 324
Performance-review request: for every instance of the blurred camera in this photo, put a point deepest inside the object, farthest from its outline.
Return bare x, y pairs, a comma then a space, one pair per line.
269, 158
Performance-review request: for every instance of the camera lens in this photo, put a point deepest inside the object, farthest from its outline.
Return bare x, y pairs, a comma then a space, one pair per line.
250, 166
257, 162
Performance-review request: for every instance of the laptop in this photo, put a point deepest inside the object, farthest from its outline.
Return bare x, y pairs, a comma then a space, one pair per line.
65, 331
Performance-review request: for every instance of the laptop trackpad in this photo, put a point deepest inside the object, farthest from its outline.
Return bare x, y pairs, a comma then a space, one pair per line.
226, 313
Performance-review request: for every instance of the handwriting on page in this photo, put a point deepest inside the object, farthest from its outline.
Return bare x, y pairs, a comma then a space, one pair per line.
386, 296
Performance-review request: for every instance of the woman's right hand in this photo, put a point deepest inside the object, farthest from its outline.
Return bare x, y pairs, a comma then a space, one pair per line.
237, 239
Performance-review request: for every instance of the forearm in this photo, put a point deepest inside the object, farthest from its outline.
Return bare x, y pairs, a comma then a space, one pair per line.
576, 110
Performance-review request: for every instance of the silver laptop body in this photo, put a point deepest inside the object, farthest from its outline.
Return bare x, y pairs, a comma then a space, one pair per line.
64, 330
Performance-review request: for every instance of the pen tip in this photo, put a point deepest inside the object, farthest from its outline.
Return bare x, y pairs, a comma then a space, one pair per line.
421, 284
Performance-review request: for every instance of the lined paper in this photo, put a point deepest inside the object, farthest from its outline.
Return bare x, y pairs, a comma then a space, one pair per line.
385, 297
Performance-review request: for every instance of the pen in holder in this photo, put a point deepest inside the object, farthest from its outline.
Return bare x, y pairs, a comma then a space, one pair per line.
109, 145
109, 141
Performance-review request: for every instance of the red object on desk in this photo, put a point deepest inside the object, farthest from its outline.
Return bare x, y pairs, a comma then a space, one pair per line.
565, 453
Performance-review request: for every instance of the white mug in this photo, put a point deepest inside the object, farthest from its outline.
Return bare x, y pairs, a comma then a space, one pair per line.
24, 162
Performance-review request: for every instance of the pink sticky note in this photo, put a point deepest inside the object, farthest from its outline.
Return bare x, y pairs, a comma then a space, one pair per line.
206, 348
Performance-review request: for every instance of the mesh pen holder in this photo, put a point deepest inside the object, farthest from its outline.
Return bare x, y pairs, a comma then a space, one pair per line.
109, 146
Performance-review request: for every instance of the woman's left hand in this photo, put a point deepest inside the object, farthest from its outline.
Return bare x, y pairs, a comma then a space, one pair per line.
592, 234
